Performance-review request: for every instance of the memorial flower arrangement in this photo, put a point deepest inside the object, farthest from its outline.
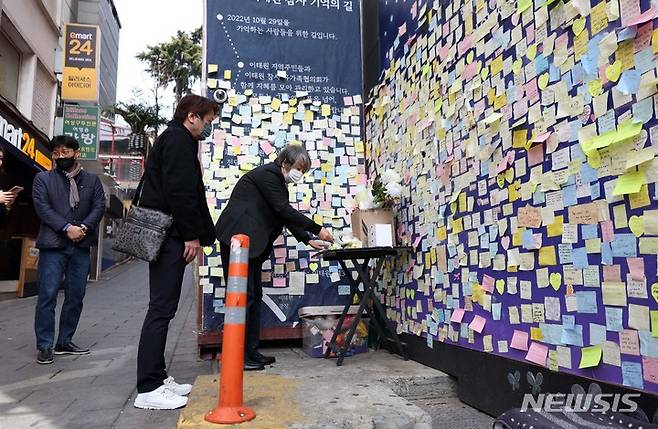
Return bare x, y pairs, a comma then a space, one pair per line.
385, 190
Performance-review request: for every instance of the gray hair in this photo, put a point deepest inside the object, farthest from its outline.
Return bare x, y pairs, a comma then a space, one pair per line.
291, 154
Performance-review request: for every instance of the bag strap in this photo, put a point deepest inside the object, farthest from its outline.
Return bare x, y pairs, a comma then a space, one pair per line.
138, 191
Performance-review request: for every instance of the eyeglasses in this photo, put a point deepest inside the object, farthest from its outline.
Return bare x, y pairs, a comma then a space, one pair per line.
63, 153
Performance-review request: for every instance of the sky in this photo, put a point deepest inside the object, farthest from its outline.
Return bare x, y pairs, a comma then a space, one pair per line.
148, 22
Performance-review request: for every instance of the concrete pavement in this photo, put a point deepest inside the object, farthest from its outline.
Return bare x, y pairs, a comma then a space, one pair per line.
97, 391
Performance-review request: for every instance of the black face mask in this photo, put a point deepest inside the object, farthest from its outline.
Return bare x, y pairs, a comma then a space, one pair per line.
64, 163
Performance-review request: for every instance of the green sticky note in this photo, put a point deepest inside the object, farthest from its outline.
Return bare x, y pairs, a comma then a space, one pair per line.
627, 129
522, 5
630, 182
591, 356
654, 323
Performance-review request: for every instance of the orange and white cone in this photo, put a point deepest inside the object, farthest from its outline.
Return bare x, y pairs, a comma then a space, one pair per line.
229, 408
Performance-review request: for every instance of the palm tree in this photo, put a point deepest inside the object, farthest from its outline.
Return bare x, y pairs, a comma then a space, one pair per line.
177, 61
144, 121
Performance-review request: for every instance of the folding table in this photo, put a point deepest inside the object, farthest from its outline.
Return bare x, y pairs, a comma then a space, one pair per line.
364, 275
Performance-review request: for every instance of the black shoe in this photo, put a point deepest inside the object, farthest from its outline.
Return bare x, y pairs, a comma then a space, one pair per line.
70, 349
265, 360
45, 356
250, 365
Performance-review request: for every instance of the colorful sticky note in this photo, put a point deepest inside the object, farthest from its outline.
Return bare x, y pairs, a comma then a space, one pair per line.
590, 356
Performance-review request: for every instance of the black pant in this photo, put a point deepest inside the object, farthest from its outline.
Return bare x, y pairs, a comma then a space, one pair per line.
165, 283
254, 297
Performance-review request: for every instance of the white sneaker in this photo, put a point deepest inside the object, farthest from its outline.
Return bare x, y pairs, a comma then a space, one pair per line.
179, 389
162, 398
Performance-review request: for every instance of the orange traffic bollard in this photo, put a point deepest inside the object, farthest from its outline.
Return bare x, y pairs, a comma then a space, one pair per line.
229, 407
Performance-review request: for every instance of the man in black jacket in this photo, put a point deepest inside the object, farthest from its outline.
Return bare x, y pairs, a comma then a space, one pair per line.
70, 203
173, 183
259, 207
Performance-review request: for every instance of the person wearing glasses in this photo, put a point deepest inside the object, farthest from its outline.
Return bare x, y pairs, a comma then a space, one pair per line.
70, 203
259, 207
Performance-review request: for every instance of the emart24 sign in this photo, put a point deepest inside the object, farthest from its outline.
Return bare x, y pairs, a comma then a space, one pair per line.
80, 78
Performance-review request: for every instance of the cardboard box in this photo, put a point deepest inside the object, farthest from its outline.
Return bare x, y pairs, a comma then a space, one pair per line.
319, 323
363, 221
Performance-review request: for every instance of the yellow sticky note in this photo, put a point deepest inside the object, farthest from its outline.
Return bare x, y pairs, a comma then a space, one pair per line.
547, 256
212, 83
522, 5
555, 229
326, 110
276, 103
213, 68
358, 147
613, 71
654, 323
595, 87
519, 138
308, 116
654, 41
640, 199
591, 356
536, 334
630, 182
227, 74
497, 65
531, 52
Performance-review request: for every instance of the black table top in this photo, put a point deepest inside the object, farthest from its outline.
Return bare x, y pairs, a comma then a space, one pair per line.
362, 253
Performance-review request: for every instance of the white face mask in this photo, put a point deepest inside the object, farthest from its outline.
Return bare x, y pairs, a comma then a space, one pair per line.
294, 176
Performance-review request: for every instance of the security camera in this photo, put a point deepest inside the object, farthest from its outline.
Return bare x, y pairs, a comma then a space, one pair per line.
220, 95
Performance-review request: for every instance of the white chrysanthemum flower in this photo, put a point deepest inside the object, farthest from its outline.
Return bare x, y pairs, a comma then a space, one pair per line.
393, 189
390, 176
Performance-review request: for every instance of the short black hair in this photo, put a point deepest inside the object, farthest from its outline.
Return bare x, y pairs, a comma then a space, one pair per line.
66, 141
196, 104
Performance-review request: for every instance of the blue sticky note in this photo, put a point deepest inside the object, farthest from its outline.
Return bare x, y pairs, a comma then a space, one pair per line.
590, 231
528, 239
587, 173
552, 333
568, 321
569, 196
496, 310
606, 254
644, 60
631, 374
541, 64
463, 330
595, 191
493, 232
626, 34
613, 319
564, 251
629, 82
597, 334
624, 245
579, 257
554, 73
606, 121
648, 344
643, 110
577, 73
573, 336
586, 301
539, 197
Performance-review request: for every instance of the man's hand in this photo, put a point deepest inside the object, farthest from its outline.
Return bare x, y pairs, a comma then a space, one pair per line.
325, 235
75, 233
318, 244
192, 249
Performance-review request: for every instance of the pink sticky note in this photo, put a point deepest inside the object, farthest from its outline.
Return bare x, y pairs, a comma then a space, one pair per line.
402, 29
457, 315
280, 253
650, 366
488, 283
477, 324
536, 155
267, 147
519, 340
537, 353
541, 138
279, 282
649, 14
608, 231
636, 267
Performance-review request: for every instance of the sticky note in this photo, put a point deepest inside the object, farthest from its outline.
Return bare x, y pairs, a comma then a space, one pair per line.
519, 340
590, 356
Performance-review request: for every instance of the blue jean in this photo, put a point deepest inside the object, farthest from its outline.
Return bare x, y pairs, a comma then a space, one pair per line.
73, 262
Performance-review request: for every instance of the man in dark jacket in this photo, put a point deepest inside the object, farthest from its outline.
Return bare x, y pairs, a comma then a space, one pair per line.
70, 203
173, 183
259, 207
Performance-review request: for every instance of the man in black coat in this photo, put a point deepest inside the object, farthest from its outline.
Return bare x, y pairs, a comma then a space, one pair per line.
259, 207
173, 183
70, 203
